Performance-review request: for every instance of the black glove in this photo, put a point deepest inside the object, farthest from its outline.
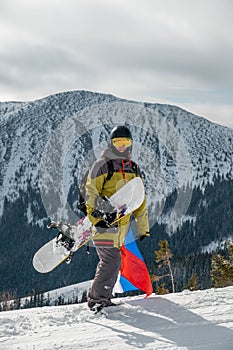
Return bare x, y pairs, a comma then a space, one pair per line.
103, 204
104, 227
104, 209
147, 234
110, 217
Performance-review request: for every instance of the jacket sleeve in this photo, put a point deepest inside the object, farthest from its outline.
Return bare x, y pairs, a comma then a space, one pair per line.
94, 187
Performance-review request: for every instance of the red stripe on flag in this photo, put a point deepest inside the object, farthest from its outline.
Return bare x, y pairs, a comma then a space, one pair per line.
135, 270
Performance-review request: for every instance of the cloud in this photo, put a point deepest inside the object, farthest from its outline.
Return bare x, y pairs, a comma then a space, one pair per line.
180, 51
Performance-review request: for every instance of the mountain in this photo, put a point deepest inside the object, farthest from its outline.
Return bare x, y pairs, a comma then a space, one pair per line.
47, 145
187, 320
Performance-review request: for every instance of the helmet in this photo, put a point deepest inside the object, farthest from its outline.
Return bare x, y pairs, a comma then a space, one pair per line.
120, 131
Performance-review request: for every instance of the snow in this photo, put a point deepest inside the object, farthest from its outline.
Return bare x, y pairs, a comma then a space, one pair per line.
214, 246
187, 320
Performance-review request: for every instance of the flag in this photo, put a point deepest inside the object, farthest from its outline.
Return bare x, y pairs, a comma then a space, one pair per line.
133, 273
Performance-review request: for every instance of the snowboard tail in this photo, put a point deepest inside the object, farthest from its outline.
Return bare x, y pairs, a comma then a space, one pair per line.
53, 253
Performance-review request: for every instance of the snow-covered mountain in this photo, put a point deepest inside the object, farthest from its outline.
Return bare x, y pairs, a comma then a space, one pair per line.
47, 145
172, 146
180, 321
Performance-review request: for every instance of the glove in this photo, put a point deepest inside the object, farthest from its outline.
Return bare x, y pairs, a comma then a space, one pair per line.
103, 227
104, 209
110, 217
103, 204
147, 234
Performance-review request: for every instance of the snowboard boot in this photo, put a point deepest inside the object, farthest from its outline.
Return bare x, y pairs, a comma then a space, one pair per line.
97, 307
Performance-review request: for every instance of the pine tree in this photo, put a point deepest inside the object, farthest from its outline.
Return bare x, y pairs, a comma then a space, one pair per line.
47, 302
17, 303
193, 282
161, 289
156, 278
84, 296
163, 257
230, 251
222, 269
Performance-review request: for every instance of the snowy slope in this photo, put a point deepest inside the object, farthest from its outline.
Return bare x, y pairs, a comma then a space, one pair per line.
188, 320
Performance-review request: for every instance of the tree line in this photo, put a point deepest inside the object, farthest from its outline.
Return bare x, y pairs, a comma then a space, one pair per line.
9, 301
163, 281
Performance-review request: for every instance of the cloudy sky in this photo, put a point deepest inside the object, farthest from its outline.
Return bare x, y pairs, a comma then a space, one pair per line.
168, 51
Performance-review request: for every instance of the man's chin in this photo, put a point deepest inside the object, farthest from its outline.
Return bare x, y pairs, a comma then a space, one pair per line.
121, 150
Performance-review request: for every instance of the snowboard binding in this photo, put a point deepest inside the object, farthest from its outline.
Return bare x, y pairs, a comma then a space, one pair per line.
62, 226
67, 242
64, 236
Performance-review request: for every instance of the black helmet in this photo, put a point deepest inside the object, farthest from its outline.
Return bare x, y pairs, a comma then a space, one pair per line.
120, 131
117, 132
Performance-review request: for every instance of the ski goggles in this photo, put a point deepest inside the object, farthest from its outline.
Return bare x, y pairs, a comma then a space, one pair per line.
121, 141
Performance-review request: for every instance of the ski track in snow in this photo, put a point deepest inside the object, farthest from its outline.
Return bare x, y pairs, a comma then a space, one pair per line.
187, 320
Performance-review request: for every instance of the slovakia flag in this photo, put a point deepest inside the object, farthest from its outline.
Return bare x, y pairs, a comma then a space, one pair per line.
133, 274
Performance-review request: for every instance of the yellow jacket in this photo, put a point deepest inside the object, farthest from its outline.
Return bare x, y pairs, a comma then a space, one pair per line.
97, 185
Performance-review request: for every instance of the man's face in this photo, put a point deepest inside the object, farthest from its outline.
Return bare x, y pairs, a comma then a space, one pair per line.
121, 149
121, 143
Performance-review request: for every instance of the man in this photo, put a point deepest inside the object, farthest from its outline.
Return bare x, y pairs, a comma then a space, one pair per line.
99, 187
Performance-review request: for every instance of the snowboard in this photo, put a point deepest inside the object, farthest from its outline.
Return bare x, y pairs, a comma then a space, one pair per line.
50, 255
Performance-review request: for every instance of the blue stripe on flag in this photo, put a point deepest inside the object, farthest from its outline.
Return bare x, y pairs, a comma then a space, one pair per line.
130, 244
126, 285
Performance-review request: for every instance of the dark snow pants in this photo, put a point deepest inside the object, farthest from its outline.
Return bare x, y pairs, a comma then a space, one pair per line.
106, 275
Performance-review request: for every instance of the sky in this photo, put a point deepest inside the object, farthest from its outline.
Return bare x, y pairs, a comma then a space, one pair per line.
174, 52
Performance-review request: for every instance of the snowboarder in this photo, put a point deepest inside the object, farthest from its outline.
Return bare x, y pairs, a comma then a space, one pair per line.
102, 214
